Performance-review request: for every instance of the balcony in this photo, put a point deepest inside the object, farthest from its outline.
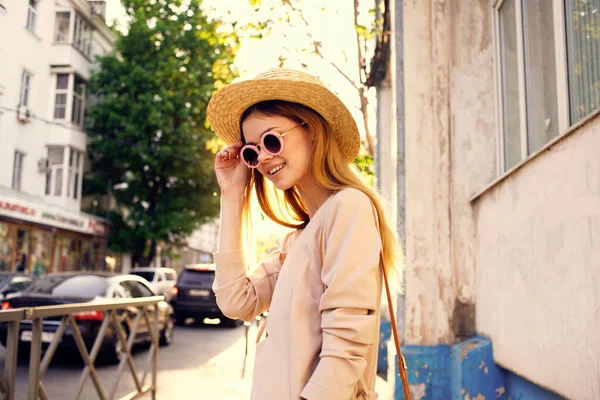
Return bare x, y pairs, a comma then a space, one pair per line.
66, 54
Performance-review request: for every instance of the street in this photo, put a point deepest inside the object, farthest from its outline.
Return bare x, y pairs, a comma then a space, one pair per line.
205, 361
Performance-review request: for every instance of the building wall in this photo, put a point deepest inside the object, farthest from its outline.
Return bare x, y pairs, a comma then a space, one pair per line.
24, 50
473, 144
450, 154
37, 53
538, 266
429, 275
520, 264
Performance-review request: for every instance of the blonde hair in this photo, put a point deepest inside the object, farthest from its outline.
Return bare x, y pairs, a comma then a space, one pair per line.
331, 172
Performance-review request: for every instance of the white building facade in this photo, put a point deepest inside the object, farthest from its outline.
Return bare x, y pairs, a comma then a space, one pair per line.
47, 50
498, 158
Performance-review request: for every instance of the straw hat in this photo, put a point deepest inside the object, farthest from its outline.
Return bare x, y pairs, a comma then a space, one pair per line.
226, 107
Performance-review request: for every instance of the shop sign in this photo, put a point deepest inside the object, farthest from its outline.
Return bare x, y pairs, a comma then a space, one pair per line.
47, 215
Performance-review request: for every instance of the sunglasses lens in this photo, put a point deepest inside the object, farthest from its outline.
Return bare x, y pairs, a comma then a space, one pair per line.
250, 156
272, 143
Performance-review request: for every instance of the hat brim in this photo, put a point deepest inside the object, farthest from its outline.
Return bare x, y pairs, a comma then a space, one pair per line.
226, 107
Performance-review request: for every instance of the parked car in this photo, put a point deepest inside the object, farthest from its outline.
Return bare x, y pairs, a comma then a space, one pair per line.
14, 282
72, 288
192, 295
161, 279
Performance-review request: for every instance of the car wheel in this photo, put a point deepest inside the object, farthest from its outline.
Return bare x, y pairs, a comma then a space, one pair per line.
230, 323
166, 335
114, 352
180, 319
115, 349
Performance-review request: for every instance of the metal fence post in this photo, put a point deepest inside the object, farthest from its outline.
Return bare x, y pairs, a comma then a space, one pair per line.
155, 355
34, 359
10, 362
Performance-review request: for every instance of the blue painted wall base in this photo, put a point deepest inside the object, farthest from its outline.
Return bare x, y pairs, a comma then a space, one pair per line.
462, 371
385, 332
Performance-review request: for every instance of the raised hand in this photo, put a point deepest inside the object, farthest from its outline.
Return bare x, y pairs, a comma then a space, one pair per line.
231, 172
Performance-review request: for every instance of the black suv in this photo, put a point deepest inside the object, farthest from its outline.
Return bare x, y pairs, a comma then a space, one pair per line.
193, 296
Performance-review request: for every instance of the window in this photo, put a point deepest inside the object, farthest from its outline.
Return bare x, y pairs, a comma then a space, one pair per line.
82, 35
78, 168
548, 71
63, 21
56, 173
25, 88
582, 19
78, 110
17, 170
509, 71
60, 96
540, 73
32, 15
73, 173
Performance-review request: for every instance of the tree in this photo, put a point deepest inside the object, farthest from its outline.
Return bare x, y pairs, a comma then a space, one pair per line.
149, 126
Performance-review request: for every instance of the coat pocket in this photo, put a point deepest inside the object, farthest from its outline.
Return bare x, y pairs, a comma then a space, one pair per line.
365, 393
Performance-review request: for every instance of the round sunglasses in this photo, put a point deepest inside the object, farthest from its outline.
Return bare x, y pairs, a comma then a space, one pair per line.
270, 141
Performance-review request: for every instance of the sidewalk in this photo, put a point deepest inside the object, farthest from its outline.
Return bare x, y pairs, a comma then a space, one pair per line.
226, 376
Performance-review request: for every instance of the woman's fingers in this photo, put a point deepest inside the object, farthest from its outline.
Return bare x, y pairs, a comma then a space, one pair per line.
229, 153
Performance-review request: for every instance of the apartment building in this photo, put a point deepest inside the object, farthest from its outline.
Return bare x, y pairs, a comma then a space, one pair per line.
47, 50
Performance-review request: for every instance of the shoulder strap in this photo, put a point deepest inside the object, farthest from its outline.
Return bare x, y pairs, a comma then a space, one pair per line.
402, 369
401, 361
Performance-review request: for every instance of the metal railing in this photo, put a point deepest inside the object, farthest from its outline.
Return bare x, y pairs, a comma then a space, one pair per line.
38, 366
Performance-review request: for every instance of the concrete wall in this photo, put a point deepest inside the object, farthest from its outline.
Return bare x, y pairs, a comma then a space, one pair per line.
538, 267
450, 154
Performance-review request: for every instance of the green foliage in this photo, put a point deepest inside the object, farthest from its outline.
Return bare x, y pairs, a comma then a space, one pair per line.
364, 164
149, 126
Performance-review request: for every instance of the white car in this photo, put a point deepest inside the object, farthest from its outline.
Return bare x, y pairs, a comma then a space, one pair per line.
161, 279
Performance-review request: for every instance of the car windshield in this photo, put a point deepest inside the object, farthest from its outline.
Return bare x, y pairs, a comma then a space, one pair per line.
4, 279
88, 286
147, 275
192, 276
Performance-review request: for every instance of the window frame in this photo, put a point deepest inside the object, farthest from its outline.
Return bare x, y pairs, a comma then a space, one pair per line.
58, 91
560, 51
32, 10
56, 26
71, 97
25, 89
64, 179
82, 34
17, 178
79, 119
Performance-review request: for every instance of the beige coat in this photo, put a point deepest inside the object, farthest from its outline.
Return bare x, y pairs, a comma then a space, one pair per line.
323, 291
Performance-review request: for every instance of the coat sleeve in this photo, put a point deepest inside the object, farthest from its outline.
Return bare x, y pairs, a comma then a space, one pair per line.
348, 306
242, 293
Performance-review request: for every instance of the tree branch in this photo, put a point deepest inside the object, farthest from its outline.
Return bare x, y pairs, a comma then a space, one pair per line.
317, 45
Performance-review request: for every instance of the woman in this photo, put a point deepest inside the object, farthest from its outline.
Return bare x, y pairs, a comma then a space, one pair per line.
292, 141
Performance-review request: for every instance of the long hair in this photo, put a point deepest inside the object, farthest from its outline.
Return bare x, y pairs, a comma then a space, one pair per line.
331, 172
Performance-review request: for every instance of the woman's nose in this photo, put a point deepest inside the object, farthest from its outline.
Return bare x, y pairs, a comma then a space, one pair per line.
263, 155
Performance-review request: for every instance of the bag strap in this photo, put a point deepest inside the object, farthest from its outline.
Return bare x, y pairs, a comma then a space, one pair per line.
402, 370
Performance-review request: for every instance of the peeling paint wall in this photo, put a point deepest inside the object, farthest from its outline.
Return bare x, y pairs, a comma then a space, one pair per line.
473, 143
538, 267
429, 284
450, 155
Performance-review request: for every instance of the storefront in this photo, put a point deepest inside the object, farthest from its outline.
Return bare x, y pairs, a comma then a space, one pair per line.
40, 238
